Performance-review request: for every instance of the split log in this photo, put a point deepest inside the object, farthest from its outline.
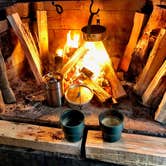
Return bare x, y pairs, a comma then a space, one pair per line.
101, 94
157, 20
43, 37
117, 88
154, 62
139, 19
143, 150
156, 88
24, 35
160, 114
5, 88
78, 54
3, 25
2, 104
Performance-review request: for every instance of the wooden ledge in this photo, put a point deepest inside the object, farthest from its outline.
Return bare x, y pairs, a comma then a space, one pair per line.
37, 137
131, 149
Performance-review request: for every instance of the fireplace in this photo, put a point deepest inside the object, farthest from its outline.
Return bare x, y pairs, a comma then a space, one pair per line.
124, 71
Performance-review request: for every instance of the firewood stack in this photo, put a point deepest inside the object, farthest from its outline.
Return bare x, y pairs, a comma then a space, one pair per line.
146, 58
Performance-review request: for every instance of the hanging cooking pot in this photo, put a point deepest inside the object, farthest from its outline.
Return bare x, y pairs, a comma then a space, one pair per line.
93, 32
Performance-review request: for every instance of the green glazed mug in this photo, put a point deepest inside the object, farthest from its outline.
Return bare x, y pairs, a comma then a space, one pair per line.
111, 123
72, 123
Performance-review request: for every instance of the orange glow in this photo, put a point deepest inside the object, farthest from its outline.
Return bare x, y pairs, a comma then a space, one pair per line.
59, 52
95, 60
72, 41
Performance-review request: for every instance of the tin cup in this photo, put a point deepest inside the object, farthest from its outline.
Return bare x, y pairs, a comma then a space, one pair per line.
111, 123
72, 123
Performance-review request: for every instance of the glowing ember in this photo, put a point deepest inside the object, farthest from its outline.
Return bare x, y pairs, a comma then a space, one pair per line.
59, 52
72, 43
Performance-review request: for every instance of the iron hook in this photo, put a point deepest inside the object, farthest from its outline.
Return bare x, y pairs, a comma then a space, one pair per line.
94, 13
58, 7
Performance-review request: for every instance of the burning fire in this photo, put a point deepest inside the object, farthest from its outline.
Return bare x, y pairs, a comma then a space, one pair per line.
94, 62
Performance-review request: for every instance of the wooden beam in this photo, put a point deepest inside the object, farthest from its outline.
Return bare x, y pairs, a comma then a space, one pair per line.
160, 114
139, 19
156, 87
154, 62
36, 137
43, 36
131, 149
24, 35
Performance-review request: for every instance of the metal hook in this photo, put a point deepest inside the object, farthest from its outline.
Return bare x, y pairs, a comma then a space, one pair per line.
90, 9
59, 8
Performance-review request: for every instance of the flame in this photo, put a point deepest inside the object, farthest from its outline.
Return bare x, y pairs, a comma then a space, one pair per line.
95, 60
72, 43
59, 52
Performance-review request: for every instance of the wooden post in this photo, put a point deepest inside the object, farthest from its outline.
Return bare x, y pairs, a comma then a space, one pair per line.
154, 62
160, 114
43, 37
136, 30
28, 45
156, 87
7, 93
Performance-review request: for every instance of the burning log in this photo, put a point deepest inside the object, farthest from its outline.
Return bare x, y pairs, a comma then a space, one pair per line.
154, 62
160, 114
5, 88
78, 54
139, 19
101, 94
157, 20
117, 88
156, 87
43, 36
28, 44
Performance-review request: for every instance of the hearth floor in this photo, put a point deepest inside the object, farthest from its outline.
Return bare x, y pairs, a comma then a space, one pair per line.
31, 108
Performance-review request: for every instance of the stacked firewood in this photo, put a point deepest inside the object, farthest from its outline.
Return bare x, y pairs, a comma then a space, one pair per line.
145, 56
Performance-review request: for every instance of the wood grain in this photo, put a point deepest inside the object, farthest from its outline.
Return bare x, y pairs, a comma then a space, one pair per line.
156, 87
154, 62
36, 137
160, 114
24, 35
131, 149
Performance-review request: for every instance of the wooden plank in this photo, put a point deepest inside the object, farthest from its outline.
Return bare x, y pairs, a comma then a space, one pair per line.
139, 19
43, 36
28, 45
36, 137
131, 149
158, 81
154, 62
160, 114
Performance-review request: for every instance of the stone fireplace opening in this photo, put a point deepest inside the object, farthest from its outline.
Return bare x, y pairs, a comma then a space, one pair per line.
125, 71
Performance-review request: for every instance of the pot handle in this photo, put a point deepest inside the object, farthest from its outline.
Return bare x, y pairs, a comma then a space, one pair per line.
92, 13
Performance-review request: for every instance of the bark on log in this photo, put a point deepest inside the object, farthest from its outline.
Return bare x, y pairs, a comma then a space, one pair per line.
157, 20
154, 62
5, 88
